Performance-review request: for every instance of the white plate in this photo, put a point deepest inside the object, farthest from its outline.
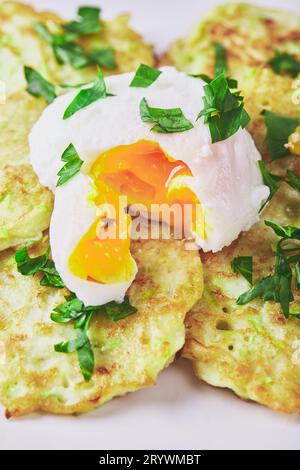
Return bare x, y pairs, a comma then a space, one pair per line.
179, 412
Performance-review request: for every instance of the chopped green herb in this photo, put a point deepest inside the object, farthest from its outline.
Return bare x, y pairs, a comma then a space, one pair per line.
88, 96
243, 265
72, 54
166, 120
284, 63
67, 51
75, 85
144, 76
89, 22
284, 231
74, 310
72, 166
220, 59
116, 312
279, 129
232, 83
28, 266
263, 286
293, 180
51, 277
86, 360
72, 344
223, 110
297, 272
69, 310
104, 57
278, 286
38, 85
270, 180
44, 33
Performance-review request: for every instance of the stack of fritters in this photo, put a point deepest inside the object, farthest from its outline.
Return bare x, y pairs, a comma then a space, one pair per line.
128, 354
251, 349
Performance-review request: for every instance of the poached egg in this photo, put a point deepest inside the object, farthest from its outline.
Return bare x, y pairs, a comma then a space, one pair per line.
123, 157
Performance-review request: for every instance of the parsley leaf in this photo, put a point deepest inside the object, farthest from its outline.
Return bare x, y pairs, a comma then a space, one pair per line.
297, 272
72, 344
83, 346
104, 57
262, 287
89, 22
72, 166
144, 76
293, 180
167, 120
278, 286
279, 129
232, 83
38, 85
28, 266
72, 54
44, 32
69, 310
51, 277
243, 265
75, 85
223, 110
88, 96
284, 231
116, 312
270, 180
220, 59
284, 63
86, 360
67, 51
74, 310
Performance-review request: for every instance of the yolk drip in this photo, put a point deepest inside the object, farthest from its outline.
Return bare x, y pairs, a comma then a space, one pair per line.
142, 173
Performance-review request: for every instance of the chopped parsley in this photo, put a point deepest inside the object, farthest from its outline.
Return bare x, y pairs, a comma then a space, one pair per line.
87, 96
223, 110
284, 63
232, 83
104, 57
116, 312
270, 180
28, 266
71, 167
292, 180
279, 129
165, 120
144, 76
278, 286
67, 51
74, 310
220, 59
243, 265
89, 22
38, 85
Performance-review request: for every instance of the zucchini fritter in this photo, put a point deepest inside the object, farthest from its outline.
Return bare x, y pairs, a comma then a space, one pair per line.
251, 349
25, 206
20, 45
128, 354
250, 36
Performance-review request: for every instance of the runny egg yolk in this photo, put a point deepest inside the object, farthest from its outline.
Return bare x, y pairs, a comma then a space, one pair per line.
142, 173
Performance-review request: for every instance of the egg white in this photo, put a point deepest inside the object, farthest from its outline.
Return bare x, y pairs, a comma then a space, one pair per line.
72, 217
226, 177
